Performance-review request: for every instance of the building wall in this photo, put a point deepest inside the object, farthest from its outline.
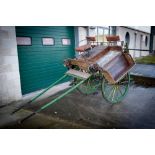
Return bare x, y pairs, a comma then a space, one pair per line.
121, 31
83, 33
10, 89
92, 31
146, 29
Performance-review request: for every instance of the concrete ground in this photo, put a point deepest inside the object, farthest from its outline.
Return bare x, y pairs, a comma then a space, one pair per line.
137, 110
146, 70
144, 74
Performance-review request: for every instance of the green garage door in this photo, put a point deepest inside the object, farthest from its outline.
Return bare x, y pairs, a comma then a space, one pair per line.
41, 52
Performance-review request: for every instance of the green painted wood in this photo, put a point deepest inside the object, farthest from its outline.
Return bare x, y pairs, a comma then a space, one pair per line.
115, 93
42, 65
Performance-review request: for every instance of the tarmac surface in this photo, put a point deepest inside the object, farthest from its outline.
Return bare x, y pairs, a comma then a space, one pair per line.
136, 111
146, 70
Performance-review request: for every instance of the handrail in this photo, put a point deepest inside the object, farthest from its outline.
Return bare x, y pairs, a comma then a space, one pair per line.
104, 42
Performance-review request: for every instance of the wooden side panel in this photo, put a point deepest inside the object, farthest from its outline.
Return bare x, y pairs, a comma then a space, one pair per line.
113, 69
117, 67
81, 63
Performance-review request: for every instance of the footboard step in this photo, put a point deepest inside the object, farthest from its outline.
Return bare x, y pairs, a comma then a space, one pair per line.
78, 74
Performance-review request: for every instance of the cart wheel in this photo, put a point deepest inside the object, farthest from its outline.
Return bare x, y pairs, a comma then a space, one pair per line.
115, 93
89, 86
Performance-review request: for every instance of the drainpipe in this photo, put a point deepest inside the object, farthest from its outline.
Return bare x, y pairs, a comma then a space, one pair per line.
113, 30
76, 35
88, 31
97, 35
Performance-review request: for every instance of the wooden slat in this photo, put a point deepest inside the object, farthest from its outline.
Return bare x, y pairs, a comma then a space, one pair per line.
83, 48
78, 73
89, 38
112, 38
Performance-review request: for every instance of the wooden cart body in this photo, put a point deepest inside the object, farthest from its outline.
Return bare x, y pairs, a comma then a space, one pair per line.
110, 60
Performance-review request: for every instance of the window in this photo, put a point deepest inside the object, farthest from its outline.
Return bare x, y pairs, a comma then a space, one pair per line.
101, 32
48, 41
146, 41
127, 38
25, 41
66, 41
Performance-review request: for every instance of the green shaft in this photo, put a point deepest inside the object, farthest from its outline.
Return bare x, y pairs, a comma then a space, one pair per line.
61, 96
33, 99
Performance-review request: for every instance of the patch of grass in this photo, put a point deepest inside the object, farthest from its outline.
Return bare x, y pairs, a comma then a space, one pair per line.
146, 60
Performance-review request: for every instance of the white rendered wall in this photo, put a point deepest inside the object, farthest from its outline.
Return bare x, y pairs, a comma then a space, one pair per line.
146, 29
121, 31
82, 35
10, 89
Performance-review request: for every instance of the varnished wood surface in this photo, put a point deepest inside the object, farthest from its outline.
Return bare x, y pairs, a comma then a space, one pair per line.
83, 75
113, 69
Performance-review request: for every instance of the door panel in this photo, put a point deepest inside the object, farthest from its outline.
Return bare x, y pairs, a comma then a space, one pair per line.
39, 64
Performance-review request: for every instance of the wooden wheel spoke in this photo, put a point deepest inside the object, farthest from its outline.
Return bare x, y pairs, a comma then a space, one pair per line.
88, 87
113, 93
120, 90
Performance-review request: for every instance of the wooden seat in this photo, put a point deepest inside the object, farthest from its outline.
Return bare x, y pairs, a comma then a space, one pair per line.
83, 48
112, 38
79, 74
91, 38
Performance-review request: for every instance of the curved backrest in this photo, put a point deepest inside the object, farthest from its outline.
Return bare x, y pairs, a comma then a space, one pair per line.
112, 38
83, 48
89, 38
